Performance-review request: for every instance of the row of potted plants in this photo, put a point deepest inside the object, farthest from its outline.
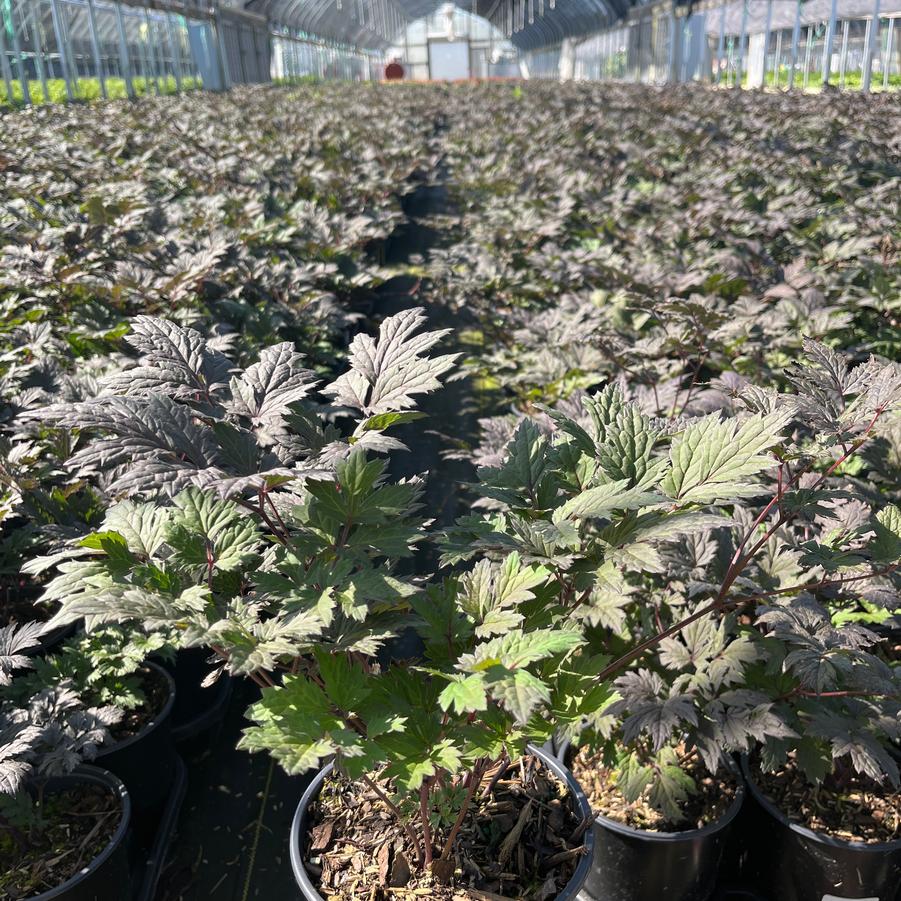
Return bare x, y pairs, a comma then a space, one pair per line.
626, 254
292, 588
651, 586
256, 218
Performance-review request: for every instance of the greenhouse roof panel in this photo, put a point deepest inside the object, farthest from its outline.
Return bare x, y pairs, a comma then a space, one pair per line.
376, 23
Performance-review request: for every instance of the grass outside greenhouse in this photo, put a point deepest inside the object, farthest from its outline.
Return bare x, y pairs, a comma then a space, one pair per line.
90, 89
466, 492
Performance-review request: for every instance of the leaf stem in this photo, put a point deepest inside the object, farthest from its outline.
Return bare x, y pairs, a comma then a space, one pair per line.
718, 604
411, 835
262, 514
424, 817
475, 780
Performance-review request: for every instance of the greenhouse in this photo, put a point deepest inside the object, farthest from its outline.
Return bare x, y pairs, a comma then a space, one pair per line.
450, 450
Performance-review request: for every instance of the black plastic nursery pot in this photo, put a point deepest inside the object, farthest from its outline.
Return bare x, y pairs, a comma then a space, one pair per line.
197, 709
789, 862
146, 762
106, 877
300, 825
640, 865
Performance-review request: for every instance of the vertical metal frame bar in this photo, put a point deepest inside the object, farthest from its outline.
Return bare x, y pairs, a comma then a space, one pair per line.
808, 50
671, 44
829, 41
175, 50
721, 45
38, 50
95, 48
843, 54
55, 12
777, 64
149, 50
140, 60
742, 37
889, 49
20, 57
124, 55
67, 46
796, 41
872, 40
221, 50
4, 60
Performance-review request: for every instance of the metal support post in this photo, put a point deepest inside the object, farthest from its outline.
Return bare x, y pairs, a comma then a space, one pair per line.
796, 41
777, 65
61, 46
887, 67
721, 45
20, 58
807, 51
95, 48
38, 52
742, 37
176, 52
843, 56
124, 56
221, 51
872, 40
4, 59
671, 29
150, 54
830, 40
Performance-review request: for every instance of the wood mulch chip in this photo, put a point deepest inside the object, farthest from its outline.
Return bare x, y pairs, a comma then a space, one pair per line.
715, 794
520, 841
860, 810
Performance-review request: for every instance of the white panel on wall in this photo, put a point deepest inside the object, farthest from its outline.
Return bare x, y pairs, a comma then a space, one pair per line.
449, 60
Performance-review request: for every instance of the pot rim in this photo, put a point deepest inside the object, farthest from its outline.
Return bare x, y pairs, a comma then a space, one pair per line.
687, 835
580, 802
95, 775
806, 831
158, 720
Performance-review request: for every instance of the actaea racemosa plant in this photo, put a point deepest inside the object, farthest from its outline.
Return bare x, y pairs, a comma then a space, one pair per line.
286, 574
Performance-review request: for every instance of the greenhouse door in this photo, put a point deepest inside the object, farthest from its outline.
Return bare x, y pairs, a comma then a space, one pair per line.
448, 60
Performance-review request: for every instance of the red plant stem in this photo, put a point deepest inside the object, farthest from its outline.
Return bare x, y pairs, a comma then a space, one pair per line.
503, 763
397, 815
475, 780
716, 605
278, 516
424, 816
739, 562
272, 527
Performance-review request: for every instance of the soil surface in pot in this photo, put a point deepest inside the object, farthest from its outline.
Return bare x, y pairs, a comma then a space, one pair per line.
77, 825
713, 798
860, 810
156, 693
520, 841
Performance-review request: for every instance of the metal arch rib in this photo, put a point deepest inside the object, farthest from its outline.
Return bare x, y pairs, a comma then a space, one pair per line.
569, 18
